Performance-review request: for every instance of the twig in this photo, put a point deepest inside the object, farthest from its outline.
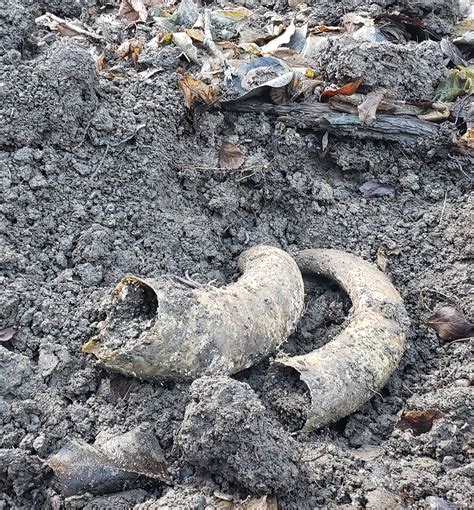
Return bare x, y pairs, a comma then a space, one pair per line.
245, 177
52, 22
137, 129
461, 340
86, 129
185, 281
444, 207
99, 166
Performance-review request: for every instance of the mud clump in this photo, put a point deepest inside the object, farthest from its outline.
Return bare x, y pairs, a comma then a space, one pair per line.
52, 100
227, 432
410, 72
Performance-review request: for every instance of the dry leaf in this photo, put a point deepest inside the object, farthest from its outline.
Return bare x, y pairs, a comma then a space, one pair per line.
7, 334
100, 64
133, 10
196, 34
230, 156
451, 324
383, 255
440, 112
418, 422
194, 89
129, 49
345, 90
325, 141
67, 31
376, 189
369, 106
104, 467
282, 39
467, 139
185, 44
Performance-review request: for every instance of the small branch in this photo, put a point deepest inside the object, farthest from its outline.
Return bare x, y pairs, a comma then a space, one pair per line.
52, 22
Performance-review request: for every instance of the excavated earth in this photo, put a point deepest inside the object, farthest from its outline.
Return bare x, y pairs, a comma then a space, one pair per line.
103, 177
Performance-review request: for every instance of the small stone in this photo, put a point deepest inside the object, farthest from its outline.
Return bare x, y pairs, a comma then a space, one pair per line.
382, 498
435, 503
462, 383
24, 155
47, 362
82, 169
38, 182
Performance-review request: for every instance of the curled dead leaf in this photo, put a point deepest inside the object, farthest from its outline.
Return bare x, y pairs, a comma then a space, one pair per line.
129, 49
374, 188
195, 89
185, 44
196, 34
104, 467
133, 10
383, 256
418, 422
368, 107
100, 63
230, 156
450, 323
439, 112
345, 90
281, 40
467, 139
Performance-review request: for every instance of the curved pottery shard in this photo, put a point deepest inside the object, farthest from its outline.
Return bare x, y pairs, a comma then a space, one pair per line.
156, 328
347, 371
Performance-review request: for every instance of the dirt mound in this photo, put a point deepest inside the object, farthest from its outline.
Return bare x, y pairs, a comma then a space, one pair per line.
107, 173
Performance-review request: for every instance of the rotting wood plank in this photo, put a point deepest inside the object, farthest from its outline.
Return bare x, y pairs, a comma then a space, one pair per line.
321, 117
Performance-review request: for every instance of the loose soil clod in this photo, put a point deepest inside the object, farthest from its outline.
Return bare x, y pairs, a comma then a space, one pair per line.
226, 431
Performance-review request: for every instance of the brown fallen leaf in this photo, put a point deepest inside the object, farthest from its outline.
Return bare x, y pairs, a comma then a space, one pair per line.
196, 34
100, 63
263, 503
370, 104
133, 10
383, 256
67, 31
467, 139
418, 422
195, 89
345, 90
129, 49
450, 323
230, 156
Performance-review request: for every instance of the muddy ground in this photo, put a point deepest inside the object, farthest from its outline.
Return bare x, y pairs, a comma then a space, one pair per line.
104, 177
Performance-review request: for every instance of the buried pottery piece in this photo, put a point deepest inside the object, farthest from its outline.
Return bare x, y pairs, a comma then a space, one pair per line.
156, 328
346, 372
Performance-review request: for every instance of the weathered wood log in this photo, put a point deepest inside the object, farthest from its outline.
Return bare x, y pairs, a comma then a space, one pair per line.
322, 117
